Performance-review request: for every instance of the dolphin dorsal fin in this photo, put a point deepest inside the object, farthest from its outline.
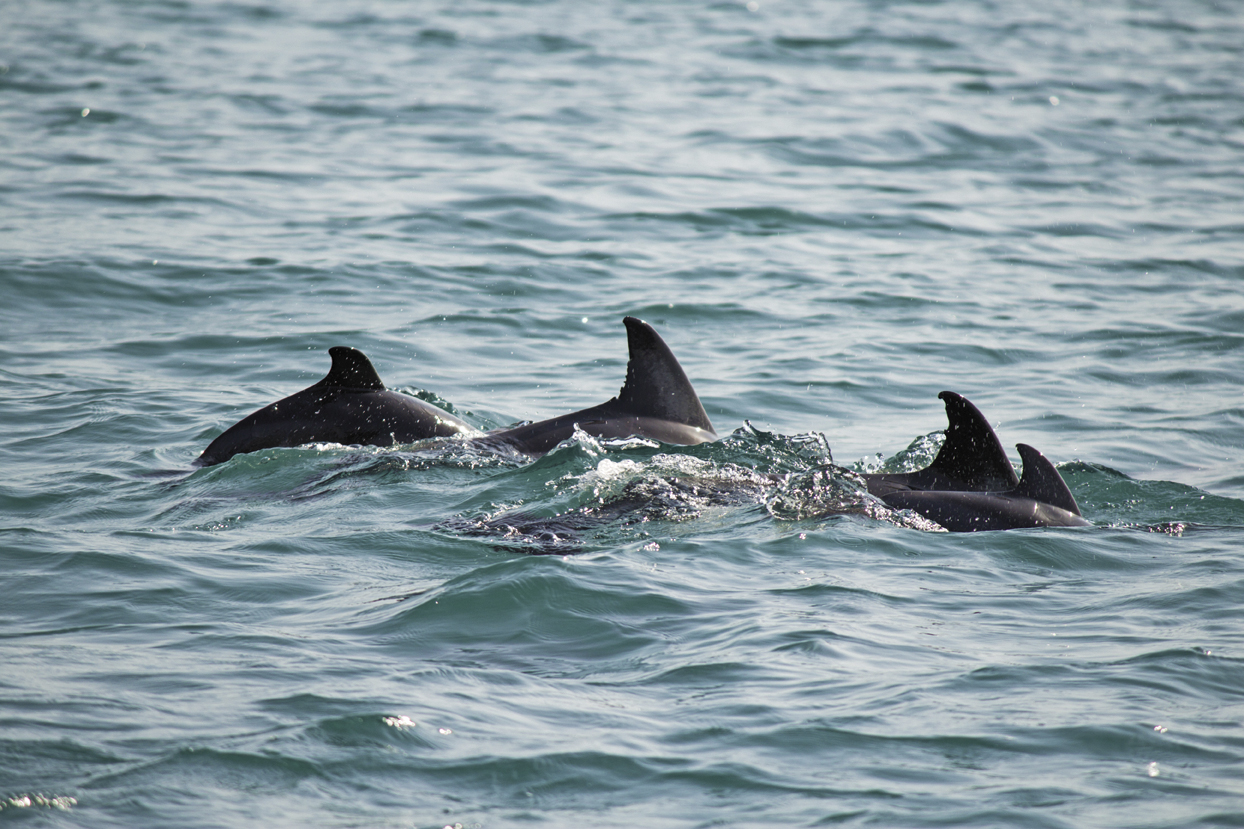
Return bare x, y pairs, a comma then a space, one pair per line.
972, 452
351, 370
656, 385
1041, 481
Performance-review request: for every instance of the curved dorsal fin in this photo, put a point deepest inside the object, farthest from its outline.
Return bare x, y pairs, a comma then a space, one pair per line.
972, 452
351, 370
1041, 481
656, 385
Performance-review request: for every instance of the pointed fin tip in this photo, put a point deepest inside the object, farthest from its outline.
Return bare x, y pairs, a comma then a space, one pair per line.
959, 403
656, 385
1042, 481
351, 370
637, 329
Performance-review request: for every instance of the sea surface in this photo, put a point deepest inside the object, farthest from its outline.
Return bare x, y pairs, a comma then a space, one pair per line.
831, 211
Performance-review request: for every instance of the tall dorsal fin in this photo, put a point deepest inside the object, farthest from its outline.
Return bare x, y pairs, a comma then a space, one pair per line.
1041, 481
656, 385
351, 370
972, 452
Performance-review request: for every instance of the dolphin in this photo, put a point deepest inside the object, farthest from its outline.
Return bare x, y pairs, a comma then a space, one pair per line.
972, 458
656, 401
350, 406
1040, 499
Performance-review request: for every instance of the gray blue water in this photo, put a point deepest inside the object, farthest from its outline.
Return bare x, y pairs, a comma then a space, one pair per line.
831, 212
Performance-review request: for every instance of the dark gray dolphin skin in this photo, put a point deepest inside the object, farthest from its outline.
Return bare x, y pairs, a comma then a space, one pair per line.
972, 458
656, 401
350, 406
1040, 499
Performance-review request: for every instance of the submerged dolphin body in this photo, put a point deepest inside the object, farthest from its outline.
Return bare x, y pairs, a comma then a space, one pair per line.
350, 406
1040, 499
657, 401
969, 486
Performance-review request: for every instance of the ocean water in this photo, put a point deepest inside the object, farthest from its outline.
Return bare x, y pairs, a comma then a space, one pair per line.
831, 212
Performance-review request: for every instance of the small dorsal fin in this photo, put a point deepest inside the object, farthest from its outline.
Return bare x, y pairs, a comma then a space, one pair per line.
1042, 482
351, 370
972, 452
656, 385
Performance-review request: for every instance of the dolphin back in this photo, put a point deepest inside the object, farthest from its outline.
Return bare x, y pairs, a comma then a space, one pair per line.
350, 406
656, 401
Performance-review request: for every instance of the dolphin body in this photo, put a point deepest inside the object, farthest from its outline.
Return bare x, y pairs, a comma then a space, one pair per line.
972, 486
350, 406
1040, 499
656, 401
